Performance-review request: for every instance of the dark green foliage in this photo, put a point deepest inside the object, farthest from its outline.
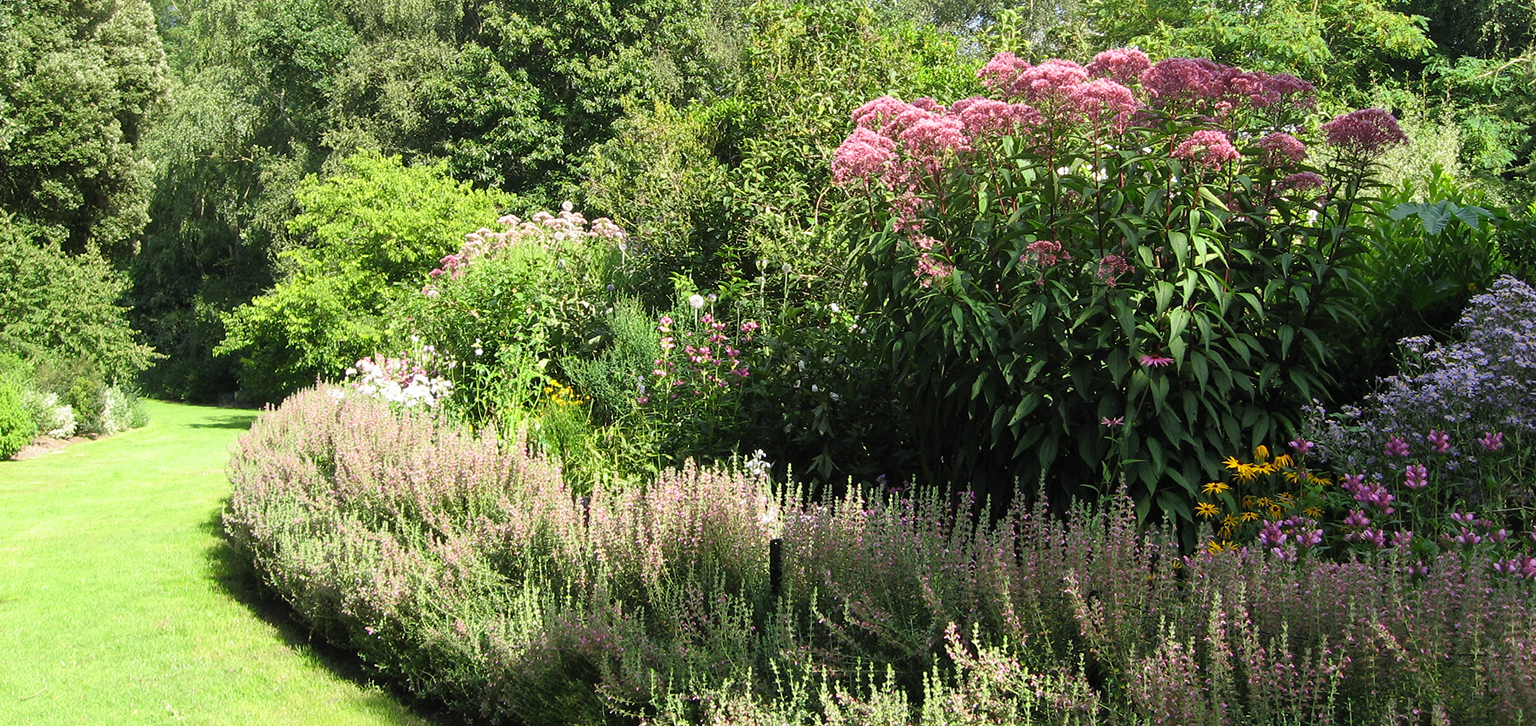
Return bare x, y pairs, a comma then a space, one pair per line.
1431, 250
56, 305
77, 81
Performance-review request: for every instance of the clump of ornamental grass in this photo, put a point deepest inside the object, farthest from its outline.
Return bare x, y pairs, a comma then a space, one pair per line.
465, 569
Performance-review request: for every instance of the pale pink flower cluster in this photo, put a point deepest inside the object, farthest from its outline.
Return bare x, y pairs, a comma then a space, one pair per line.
1201, 82
1112, 267
1124, 65
550, 230
931, 269
1208, 147
1365, 134
1044, 254
1282, 148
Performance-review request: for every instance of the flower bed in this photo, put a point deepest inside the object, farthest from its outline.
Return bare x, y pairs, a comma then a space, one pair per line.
468, 571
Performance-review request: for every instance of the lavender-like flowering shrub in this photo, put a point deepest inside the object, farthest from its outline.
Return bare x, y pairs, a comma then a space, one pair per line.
1452, 433
466, 570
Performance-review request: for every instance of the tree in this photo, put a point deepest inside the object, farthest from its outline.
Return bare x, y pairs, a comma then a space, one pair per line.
77, 82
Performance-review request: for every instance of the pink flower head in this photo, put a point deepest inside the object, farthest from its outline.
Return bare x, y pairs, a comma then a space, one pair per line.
1112, 267
1044, 254
1439, 441
986, 117
929, 105
1301, 445
1101, 100
1156, 361
1357, 519
749, 327
864, 155
959, 107
1112, 422
1000, 73
666, 320
879, 112
1492, 441
1121, 64
1282, 148
930, 270
1185, 79
1364, 134
1208, 147
1049, 81
1416, 477
1396, 446
934, 137
1302, 181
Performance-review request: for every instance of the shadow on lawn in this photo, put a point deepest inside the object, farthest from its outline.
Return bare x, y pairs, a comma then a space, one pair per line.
241, 420
239, 580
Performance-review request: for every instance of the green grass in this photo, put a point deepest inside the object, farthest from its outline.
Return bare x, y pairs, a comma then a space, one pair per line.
121, 604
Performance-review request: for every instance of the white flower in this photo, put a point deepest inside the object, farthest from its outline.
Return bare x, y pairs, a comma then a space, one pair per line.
834, 307
696, 301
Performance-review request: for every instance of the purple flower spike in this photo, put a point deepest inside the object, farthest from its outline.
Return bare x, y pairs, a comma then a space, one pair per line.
1439, 440
1396, 446
1301, 446
1417, 477
1492, 441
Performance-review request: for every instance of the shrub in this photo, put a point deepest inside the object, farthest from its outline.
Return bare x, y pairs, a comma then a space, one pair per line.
468, 570
16, 425
364, 236
1079, 280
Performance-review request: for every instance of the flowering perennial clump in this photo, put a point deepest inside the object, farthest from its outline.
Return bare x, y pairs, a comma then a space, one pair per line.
542, 228
400, 380
470, 571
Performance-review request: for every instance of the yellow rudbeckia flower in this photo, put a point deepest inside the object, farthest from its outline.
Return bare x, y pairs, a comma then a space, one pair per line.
1206, 509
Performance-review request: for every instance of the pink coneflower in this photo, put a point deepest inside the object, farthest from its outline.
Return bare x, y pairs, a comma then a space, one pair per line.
1156, 361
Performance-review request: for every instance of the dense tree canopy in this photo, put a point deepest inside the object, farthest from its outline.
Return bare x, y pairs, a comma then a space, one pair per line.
77, 82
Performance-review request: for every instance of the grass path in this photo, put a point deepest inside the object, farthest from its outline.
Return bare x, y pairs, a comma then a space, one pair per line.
121, 604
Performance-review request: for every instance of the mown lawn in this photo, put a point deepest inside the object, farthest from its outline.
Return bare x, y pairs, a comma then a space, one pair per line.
121, 604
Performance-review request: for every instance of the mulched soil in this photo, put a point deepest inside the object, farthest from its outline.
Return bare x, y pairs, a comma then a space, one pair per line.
45, 445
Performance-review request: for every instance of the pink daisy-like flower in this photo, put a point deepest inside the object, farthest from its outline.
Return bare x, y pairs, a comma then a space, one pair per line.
1156, 361
1122, 64
1208, 147
1364, 134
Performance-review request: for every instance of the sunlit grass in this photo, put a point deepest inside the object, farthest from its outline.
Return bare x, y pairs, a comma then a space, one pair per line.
121, 604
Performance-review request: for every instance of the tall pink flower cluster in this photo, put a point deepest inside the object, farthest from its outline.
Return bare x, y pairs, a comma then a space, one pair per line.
1103, 100
865, 155
1044, 254
1365, 134
930, 270
1207, 147
1186, 80
1000, 73
1124, 65
1111, 267
982, 117
1049, 81
1282, 148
